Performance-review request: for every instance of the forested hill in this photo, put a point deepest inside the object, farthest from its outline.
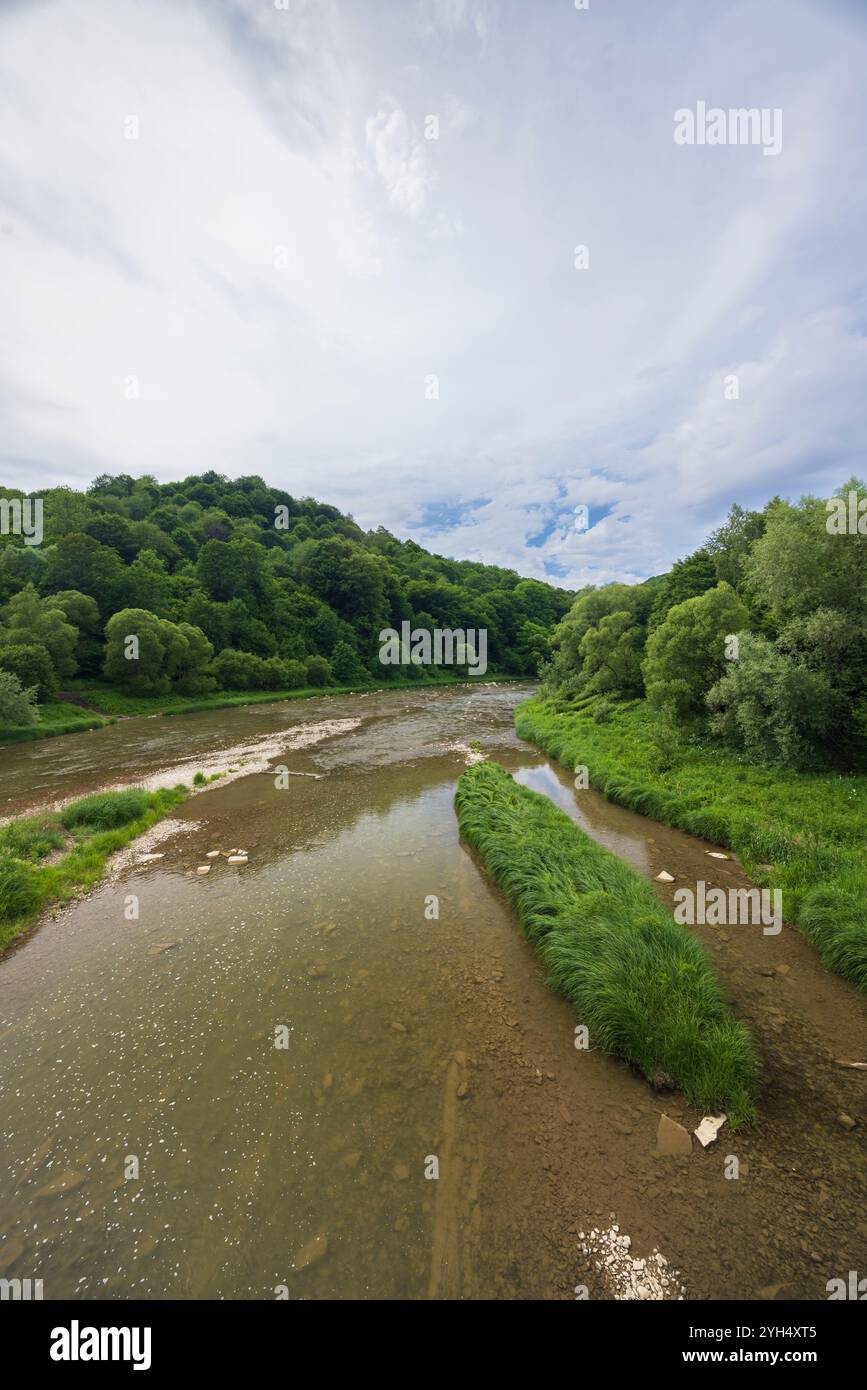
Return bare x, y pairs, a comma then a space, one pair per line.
236, 585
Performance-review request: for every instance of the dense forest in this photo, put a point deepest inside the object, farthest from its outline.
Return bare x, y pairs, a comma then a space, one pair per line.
758, 639
234, 585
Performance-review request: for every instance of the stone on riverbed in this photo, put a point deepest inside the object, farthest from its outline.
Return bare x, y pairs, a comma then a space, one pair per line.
672, 1138
663, 877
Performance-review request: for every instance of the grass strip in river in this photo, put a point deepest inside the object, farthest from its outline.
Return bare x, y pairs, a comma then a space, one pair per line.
77, 842
642, 985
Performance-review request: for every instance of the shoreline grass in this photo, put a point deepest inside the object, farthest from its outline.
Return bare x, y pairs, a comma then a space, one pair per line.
804, 833
106, 705
84, 833
55, 718
641, 983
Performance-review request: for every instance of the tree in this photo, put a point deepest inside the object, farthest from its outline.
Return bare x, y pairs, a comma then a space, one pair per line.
146, 584
611, 656
193, 677
236, 670
33, 667
135, 652
17, 705
686, 654
296, 675
776, 708
730, 544
686, 579
81, 612
82, 563
346, 667
318, 671
589, 609
28, 620
798, 565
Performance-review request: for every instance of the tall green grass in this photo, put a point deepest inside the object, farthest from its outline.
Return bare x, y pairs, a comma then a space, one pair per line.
642, 984
810, 828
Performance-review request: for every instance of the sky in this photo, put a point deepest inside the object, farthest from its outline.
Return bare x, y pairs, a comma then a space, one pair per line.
333, 242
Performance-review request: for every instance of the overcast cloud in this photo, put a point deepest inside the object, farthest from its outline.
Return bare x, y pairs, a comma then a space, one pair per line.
282, 259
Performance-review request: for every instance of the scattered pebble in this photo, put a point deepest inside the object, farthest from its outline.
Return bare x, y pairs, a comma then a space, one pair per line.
626, 1278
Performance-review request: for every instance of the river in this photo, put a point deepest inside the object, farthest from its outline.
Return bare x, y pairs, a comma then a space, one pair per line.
337, 1071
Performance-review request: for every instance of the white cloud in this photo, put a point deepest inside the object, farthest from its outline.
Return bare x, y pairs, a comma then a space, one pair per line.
282, 259
401, 160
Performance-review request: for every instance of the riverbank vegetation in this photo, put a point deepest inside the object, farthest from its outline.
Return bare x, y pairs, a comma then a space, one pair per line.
641, 984
757, 640
53, 857
195, 589
805, 833
729, 697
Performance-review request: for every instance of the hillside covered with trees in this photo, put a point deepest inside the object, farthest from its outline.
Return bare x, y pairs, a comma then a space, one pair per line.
234, 585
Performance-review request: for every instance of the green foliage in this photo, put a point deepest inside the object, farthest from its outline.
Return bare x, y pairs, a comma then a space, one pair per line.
17, 704
105, 810
810, 827
686, 653
296, 675
687, 579
730, 544
148, 655
19, 890
799, 566
28, 621
209, 561
643, 985
346, 667
776, 707
318, 671
31, 665
611, 656
30, 838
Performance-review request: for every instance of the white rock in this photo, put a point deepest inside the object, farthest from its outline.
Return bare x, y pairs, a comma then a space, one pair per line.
709, 1128
203, 869
237, 859
212, 854
715, 854
663, 877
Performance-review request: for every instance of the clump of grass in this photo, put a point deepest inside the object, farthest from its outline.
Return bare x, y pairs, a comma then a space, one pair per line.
105, 810
30, 838
640, 982
19, 890
810, 827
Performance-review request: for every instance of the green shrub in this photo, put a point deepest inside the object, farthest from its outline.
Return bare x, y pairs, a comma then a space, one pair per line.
105, 810
318, 671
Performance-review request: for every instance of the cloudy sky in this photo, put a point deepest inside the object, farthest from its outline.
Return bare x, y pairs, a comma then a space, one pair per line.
243, 237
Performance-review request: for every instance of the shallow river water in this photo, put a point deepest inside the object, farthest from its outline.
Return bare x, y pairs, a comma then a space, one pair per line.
292, 1078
